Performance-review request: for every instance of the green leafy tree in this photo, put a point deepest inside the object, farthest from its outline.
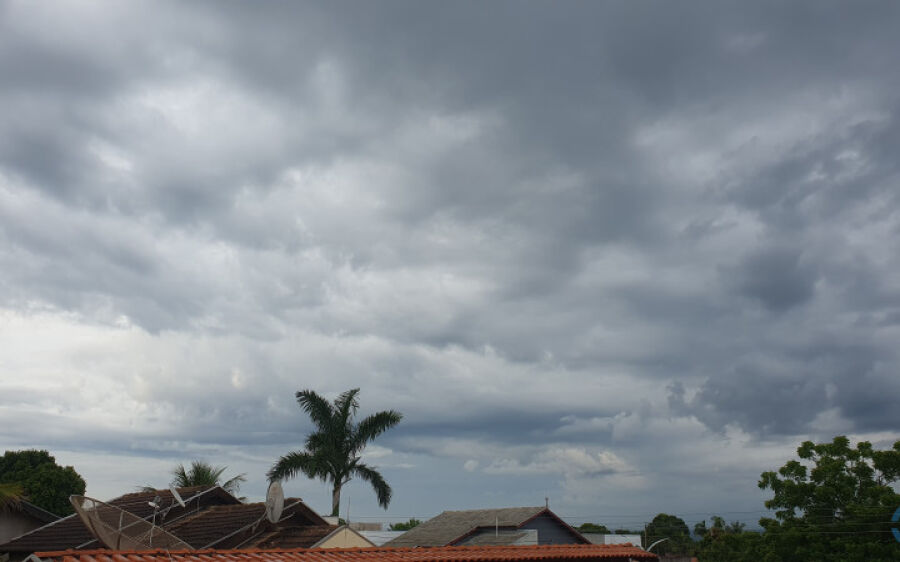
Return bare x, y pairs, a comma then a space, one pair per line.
204, 474
405, 526
333, 450
10, 495
594, 528
726, 542
718, 527
45, 483
734, 547
835, 503
665, 526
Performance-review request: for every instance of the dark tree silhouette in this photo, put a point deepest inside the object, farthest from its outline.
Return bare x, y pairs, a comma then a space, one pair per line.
333, 450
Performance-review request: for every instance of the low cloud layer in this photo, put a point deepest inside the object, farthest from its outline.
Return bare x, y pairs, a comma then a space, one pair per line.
611, 255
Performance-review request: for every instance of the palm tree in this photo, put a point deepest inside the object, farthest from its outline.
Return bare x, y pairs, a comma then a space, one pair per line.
205, 474
333, 450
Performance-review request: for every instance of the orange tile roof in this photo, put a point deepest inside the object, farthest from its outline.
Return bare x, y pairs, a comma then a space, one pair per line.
539, 553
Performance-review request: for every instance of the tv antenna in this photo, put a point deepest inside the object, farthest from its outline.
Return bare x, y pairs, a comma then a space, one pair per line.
274, 502
118, 529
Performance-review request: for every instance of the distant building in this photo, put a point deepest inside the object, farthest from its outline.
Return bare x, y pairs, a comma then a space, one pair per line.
379, 538
611, 538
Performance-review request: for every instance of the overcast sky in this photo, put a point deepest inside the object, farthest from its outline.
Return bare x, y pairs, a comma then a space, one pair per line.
624, 255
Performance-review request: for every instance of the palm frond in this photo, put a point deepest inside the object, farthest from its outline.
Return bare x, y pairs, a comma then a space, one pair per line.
320, 410
181, 478
346, 405
204, 474
233, 485
372, 427
332, 451
382, 491
295, 463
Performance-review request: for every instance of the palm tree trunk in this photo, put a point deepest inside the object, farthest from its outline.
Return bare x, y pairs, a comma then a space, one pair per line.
336, 499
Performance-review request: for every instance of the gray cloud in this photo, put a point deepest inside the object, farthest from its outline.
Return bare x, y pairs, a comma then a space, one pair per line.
586, 237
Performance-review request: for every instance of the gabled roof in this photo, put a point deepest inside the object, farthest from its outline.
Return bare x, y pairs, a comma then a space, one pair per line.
342, 529
543, 553
379, 538
302, 537
451, 526
34, 511
243, 525
524, 536
69, 532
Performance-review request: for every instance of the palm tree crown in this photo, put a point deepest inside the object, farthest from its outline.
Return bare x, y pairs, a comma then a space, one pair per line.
333, 450
205, 474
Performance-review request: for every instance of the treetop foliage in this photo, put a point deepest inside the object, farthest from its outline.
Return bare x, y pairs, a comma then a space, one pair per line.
204, 474
594, 528
836, 504
333, 451
43, 482
406, 526
673, 528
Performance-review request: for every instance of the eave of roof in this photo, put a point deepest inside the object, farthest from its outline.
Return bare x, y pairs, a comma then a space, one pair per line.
542, 553
38, 513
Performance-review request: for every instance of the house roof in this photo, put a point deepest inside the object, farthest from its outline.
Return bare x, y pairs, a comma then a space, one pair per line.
451, 526
501, 538
70, 532
298, 537
311, 536
543, 553
34, 511
380, 537
342, 529
240, 525
217, 521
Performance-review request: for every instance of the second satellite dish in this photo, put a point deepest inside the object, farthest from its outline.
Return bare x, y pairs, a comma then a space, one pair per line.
274, 502
176, 495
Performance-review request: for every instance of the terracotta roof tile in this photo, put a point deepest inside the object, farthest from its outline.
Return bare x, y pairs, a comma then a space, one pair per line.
542, 553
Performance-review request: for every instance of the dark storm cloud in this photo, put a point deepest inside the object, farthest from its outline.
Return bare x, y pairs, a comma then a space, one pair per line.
515, 223
775, 277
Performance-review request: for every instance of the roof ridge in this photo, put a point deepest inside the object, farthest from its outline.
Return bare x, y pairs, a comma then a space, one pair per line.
540, 507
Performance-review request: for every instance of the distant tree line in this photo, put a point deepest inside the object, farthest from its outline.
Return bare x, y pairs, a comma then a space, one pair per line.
405, 526
833, 504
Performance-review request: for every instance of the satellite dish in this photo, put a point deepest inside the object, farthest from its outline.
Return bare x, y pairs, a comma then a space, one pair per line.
176, 495
274, 502
118, 529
